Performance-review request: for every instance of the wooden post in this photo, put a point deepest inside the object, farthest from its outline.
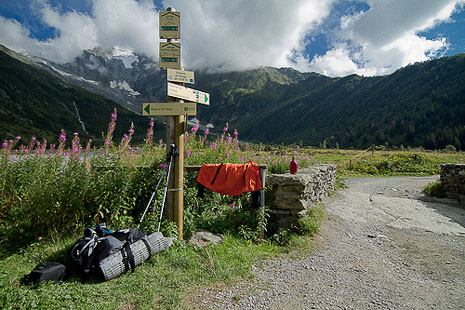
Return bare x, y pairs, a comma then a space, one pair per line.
175, 135
179, 176
261, 209
170, 126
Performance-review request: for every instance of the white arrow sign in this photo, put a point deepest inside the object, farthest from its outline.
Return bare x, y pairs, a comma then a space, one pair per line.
188, 94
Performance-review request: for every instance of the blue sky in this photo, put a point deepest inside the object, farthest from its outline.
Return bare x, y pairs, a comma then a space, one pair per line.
332, 37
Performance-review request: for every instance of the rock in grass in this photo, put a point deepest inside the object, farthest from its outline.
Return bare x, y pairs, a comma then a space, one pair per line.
202, 237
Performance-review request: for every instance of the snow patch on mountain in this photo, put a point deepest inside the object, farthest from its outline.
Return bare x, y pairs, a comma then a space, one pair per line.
126, 55
123, 85
78, 78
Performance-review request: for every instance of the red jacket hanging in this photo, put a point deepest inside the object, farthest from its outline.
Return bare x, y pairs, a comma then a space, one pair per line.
231, 179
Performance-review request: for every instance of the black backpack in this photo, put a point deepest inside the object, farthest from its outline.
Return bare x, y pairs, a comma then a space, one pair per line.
98, 243
46, 271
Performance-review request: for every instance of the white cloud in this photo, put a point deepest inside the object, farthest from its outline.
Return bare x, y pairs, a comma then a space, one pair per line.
385, 38
219, 34
112, 23
233, 35
15, 36
127, 23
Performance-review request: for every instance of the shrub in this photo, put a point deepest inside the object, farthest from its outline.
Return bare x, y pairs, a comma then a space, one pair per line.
435, 189
397, 164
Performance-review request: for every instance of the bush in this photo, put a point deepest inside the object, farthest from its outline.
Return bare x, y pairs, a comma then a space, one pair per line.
397, 164
435, 189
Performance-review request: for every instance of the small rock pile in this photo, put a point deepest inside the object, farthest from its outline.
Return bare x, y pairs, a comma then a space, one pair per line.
293, 194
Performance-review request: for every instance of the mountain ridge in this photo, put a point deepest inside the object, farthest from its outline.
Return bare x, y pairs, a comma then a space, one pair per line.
419, 105
35, 103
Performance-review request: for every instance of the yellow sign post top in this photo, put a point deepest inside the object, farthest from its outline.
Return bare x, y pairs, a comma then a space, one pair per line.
170, 55
170, 25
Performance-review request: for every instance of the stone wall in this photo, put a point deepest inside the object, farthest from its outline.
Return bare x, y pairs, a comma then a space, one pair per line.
453, 181
293, 194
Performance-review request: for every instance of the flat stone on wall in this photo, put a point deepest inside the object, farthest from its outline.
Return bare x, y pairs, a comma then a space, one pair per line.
453, 181
293, 194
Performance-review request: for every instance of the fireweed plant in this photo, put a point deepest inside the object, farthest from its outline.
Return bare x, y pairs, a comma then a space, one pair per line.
47, 188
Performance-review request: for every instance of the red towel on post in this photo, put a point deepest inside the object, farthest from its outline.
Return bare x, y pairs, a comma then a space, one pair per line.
231, 179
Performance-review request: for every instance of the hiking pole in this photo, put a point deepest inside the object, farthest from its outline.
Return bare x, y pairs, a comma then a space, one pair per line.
169, 159
151, 198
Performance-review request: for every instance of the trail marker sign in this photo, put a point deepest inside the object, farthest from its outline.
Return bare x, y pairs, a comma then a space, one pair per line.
170, 25
170, 55
180, 76
169, 108
188, 94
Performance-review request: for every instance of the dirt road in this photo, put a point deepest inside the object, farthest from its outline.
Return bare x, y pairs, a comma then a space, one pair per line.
382, 246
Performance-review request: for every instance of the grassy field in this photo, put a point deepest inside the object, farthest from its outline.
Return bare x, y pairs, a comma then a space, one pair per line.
163, 281
48, 199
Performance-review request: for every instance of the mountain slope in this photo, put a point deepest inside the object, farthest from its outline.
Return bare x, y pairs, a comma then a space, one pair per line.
33, 102
420, 105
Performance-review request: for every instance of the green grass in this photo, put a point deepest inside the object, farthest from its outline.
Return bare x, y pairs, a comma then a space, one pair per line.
159, 283
47, 200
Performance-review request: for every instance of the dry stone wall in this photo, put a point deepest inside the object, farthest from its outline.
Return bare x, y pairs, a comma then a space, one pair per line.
293, 194
453, 181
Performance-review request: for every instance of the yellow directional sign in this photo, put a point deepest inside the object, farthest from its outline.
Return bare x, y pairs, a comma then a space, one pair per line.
169, 108
170, 55
180, 76
188, 94
170, 24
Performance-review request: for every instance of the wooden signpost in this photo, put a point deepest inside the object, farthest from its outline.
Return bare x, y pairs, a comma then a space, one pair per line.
169, 108
180, 76
170, 25
170, 55
175, 109
189, 94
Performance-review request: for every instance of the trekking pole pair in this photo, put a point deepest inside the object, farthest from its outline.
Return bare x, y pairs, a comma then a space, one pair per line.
169, 159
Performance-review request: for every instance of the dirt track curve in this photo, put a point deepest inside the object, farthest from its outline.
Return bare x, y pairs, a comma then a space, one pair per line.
383, 245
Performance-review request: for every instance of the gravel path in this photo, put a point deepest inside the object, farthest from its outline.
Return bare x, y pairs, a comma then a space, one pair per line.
383, 246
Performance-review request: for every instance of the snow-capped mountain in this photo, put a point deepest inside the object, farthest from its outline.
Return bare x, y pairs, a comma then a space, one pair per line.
118, 74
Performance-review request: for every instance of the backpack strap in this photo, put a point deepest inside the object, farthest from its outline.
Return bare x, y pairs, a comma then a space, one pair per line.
130, 257
125, 259
147, 245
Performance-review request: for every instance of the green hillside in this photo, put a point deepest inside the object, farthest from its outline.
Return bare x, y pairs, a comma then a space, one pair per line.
419, 105
33, 102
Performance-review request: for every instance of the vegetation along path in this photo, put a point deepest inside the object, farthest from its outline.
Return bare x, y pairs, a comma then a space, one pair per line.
384, 245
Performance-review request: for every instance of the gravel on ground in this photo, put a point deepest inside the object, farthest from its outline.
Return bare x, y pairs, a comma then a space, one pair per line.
383, 245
